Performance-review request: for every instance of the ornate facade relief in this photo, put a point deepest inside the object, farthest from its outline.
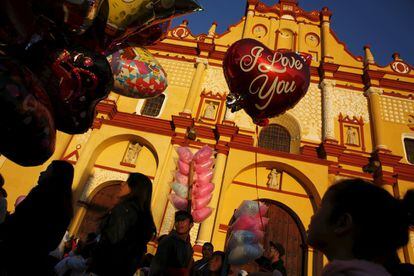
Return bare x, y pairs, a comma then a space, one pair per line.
214, 81
180, 73
350, 103
308, 112
100, 176
396, 110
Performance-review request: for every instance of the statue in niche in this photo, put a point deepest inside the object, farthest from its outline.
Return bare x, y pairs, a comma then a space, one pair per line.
352, 136
131, 154
273, 181
210, 111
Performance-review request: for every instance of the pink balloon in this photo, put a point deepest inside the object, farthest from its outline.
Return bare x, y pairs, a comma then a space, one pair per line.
183, 167
204, 166
178, 202
202, 191
201, 214
201, 202
185, 154
180, 178
203, 154
205, 177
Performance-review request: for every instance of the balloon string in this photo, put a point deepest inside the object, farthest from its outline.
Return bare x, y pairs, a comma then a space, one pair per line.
256, 176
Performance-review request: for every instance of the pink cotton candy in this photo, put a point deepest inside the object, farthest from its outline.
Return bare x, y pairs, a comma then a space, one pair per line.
183, 167
180, 178
263, 209
261, 223
204, 166
201, 214
203, 154
201, 202
202, 190
185, 154
205, 177
178, 202
244, 222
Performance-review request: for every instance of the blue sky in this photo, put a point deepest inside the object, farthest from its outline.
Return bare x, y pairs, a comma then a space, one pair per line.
386, 25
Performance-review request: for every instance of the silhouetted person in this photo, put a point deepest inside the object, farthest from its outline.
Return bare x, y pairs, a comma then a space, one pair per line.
38, 223
200, 267
3, 201
359, 228
126, 230
174, 253
216, 264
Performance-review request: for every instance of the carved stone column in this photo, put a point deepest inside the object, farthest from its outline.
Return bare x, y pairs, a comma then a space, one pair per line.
201, 65
374, 94
328, 123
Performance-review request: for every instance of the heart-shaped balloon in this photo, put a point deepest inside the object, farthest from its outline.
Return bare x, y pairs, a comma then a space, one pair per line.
263, 82
75, 80
27, 128
137, 73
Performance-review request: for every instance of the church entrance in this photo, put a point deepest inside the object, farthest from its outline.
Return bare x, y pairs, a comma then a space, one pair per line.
101, 202
285, 228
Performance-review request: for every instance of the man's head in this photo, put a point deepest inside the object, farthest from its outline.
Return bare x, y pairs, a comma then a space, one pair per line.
207, 250
276, 250
183, 222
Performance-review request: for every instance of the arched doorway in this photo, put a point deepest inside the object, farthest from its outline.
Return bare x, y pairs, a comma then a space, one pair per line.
285, 228
96, 208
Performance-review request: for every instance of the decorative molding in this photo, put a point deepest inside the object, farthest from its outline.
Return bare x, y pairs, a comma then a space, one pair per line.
180, 73
214, 81
395, 110
350, 103
98, 177
308, 113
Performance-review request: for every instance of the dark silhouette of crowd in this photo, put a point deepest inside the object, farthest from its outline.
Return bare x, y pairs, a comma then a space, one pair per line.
359, 227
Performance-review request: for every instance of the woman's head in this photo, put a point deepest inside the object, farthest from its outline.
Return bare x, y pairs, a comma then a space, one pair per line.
139, 187
216, 262
59, 171
357, 213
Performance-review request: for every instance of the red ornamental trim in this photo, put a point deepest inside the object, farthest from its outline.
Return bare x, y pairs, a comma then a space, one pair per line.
269, 189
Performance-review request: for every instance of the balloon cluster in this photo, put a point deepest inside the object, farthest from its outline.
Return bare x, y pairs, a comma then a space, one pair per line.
263, 82
54, 70
246, 232
201, 190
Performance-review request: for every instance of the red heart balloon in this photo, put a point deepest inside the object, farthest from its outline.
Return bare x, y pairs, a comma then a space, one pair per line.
263, 82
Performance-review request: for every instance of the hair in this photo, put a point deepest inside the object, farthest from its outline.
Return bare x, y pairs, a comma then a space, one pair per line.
3, 192
61, 173
382, 221
208, 244
279, 247
185, 214
141, 190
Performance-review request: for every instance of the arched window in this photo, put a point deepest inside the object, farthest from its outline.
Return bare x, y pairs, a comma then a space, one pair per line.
275, 137
409, 149
152, 107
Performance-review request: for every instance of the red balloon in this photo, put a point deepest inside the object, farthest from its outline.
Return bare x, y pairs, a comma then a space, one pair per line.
263, 82
27, 128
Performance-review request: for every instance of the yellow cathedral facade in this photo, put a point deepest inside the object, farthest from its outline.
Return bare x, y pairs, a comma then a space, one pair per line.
356, 120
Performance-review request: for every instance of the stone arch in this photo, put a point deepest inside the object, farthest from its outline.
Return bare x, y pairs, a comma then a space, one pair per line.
102, 198
85, 166
291, 124
301, 178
